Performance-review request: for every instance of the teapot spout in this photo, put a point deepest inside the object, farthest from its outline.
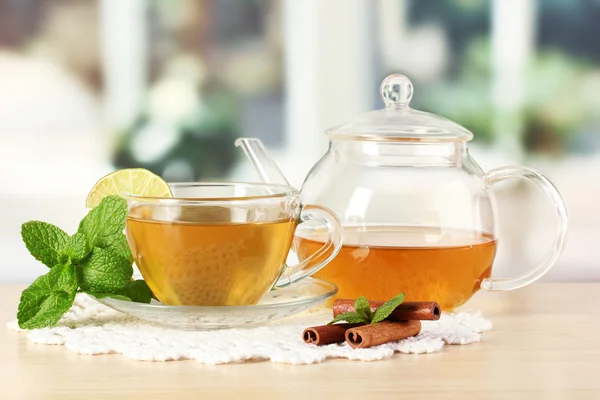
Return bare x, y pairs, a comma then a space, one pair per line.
262, 162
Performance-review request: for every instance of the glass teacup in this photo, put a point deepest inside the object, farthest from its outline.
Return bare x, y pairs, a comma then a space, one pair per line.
223, 244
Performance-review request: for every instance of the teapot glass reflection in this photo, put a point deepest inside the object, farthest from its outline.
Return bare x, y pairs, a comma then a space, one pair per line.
418, 213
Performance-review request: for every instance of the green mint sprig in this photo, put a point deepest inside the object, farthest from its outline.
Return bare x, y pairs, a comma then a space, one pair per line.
95, 260
362, 313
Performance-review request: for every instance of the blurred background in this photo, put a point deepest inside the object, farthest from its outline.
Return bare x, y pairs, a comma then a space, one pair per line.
88, 86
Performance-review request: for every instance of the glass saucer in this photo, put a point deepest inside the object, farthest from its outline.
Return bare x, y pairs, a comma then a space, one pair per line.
274, 305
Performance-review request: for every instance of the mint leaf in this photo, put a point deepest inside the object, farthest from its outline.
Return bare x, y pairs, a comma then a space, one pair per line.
104, 271
386, 308
76, 247
362, 308
361, 303
101, 225
96, 259
351, 317
138, 291
44, 241
121, 247
365, 314
111, 295
48, 298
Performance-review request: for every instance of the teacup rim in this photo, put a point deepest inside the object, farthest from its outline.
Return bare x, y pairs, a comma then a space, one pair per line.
286, 191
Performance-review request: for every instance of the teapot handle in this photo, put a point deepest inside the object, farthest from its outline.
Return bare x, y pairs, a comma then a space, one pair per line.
321, 257
502, 173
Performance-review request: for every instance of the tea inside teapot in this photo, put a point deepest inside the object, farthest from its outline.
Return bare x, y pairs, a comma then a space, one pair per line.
378, 261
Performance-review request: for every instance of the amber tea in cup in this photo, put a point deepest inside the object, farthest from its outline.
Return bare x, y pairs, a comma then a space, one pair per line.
210, 263
221, 244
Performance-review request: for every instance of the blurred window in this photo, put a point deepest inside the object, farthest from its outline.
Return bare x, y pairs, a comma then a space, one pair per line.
215, 73
90, 86
504, 69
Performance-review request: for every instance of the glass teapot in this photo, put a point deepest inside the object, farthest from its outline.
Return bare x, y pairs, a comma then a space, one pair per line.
418, 213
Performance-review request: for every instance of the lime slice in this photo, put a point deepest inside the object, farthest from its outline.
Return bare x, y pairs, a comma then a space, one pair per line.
137, 181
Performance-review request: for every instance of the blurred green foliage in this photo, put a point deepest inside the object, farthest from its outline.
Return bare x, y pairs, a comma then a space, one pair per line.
559, 97
203, 144
560, 110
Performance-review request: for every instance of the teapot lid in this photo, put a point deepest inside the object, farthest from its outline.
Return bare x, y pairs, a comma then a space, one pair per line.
397, 121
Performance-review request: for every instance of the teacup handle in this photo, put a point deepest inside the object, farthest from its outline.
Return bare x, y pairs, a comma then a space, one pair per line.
502, 173
316, 261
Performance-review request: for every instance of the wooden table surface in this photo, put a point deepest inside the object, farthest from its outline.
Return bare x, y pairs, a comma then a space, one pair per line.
545, 345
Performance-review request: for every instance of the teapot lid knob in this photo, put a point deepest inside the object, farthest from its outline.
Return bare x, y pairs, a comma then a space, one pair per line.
396, 91
398, 121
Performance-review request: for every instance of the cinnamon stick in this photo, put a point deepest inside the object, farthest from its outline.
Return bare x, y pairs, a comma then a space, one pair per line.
382, 332
326, 334
415, 310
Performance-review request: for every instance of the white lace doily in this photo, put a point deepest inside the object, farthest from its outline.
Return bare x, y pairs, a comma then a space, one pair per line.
92, 328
